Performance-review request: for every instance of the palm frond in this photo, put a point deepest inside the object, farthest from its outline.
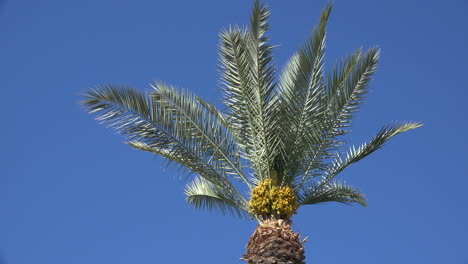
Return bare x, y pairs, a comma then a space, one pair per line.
261, 52
259, 21
355, 154
247, 76
236, 79
345, 93
200, 126
204, 194
264, 86
341, 73
300, 90
140, 118
332, 192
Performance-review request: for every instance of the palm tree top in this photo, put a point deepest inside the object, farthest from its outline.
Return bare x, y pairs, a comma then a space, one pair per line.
280, 134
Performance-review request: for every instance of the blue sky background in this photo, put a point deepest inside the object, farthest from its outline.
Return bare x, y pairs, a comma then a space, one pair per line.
72, 193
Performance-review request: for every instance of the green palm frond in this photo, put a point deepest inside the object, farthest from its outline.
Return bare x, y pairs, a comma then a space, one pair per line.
341, 73
261, 54
355, 154
248, 78
345, 93
264, 71
204, 194
155, 123
301, 90
332, 192
200, 126
236, 79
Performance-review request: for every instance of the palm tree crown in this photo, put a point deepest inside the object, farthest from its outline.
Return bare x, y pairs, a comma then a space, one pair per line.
280, 136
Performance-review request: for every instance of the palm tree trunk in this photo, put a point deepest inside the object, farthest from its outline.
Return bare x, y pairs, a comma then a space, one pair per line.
273, 242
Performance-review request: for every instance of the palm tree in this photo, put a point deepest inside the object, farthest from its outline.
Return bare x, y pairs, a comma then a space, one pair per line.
281, 137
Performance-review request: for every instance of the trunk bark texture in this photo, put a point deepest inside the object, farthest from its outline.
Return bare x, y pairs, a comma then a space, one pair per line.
273, 242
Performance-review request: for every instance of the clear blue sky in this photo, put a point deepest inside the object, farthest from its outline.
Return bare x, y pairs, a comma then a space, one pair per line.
72, 193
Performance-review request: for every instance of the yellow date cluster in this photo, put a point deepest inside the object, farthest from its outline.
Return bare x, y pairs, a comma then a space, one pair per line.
276, 201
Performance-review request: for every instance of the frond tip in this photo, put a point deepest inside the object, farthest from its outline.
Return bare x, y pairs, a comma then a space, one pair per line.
355, 154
